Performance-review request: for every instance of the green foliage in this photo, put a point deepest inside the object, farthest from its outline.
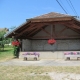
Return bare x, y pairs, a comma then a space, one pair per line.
3, 40
2, 32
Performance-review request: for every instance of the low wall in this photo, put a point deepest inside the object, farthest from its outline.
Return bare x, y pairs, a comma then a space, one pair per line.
50, 54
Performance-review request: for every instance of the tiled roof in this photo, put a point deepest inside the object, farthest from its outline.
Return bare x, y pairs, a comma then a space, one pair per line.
52, 15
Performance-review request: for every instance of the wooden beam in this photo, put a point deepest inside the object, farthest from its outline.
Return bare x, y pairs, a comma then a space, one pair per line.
73, 25
69, 26
62, 30
52, 22
46, 32
23, 26
38, 27
58, 37
25, 30
48, 37
53, 29
54, 33
51, 19
76, 22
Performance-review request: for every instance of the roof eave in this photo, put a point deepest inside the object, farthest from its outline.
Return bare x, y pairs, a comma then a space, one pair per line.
8, 34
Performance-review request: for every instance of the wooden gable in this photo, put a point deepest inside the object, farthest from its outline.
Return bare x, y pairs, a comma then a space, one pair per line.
35, 25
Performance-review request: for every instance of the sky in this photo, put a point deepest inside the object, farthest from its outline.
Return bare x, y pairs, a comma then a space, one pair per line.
15, 12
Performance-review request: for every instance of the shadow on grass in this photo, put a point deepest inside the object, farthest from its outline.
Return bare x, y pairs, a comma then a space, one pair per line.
5, 50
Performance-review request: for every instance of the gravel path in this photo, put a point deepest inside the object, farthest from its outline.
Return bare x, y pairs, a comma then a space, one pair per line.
42, 62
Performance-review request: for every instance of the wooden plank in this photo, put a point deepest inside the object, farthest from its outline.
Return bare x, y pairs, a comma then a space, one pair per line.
51, 19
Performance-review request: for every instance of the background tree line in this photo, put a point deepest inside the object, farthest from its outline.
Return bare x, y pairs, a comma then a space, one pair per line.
3, 40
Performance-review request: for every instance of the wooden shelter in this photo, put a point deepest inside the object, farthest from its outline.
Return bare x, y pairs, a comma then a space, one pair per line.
65, 29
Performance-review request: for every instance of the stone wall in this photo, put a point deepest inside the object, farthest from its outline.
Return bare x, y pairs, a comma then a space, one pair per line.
26, 45
42, 45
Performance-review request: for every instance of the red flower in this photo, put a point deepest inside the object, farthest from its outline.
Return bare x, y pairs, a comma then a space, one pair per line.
15, 43
51, 41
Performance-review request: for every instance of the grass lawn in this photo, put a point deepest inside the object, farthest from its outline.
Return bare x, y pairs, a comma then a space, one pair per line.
19, 73
24, 72
6, 54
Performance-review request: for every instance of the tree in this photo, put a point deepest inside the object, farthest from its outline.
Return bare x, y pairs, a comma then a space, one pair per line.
2, 39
